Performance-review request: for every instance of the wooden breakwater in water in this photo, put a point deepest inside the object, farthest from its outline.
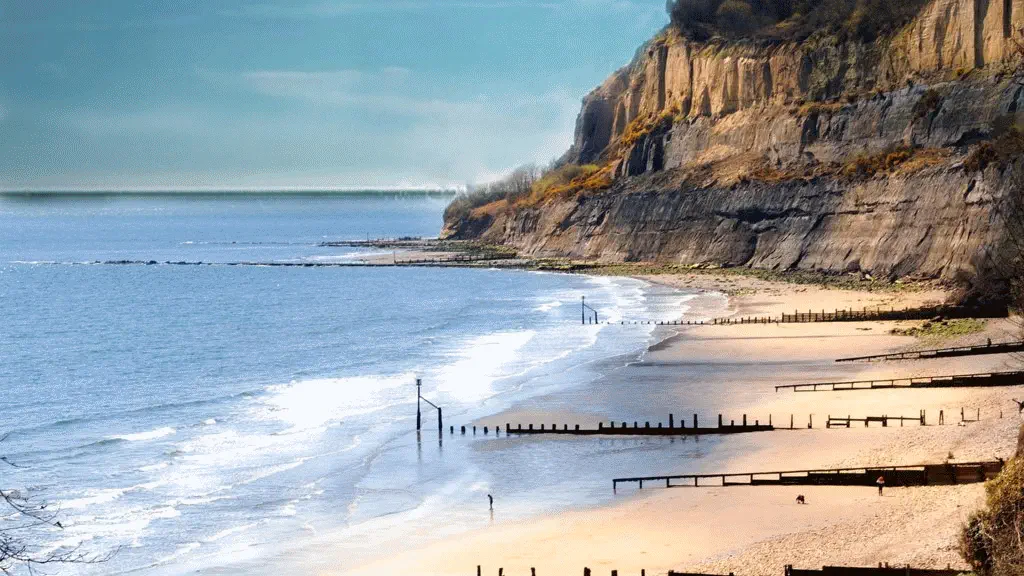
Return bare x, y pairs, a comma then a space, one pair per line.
917, 475
850, 315
981, 380
981, 349
455, 259
645, 429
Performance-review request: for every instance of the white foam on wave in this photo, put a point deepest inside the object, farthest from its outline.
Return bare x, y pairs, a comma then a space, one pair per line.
96, 497
548, 306
143, 436
154, 467
181, 551
485, 359
312, 405
230, 531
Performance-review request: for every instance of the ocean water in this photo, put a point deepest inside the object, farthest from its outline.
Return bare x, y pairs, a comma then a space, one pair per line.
225, 418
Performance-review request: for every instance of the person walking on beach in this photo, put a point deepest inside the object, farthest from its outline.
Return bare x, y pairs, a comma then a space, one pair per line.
880, 483
490, 502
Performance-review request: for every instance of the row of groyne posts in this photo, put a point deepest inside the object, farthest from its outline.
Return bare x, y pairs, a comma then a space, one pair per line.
882, 570
589, 315
613, 428
922, 474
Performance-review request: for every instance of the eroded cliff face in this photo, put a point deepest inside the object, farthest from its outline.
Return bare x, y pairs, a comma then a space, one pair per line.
732, 153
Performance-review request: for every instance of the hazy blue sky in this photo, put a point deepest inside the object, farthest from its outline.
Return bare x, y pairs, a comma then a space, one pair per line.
157, 94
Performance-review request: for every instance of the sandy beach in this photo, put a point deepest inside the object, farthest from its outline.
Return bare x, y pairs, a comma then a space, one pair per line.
758, 530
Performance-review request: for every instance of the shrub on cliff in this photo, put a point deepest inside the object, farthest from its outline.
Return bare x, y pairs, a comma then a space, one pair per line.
529, 184
790, 19
1006, 145
516, 185
991, 541
866, 166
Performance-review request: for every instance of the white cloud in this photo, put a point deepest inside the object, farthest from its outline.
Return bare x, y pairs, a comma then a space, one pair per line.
330, 9
322, 137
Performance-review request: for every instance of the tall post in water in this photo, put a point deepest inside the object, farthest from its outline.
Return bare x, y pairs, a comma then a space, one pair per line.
583, 310
440, 425
419, 420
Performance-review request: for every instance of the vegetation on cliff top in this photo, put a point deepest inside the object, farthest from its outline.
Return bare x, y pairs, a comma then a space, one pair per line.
864, 20
528, 185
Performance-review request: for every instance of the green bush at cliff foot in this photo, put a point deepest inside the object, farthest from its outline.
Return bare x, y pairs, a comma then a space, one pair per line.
992, 541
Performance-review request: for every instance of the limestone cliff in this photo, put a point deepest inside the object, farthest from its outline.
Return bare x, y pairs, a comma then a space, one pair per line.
751, 152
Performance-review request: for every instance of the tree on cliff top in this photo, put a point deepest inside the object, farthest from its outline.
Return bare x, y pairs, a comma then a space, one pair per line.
863, 20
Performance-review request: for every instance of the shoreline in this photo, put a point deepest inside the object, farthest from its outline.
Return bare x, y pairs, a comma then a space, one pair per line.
669, 529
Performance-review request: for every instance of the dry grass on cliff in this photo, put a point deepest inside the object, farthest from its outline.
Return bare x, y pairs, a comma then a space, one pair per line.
900, 160
645, 124
572, 181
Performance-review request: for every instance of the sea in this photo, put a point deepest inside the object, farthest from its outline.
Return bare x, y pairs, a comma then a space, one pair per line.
228, 415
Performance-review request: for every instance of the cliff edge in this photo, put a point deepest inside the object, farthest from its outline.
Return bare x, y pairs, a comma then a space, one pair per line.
828, 153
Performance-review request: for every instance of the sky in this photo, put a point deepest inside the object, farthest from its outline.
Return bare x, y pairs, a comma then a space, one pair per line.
297, 94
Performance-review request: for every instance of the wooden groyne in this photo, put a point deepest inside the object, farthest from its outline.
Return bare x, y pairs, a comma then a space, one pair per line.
850, 315
644, 429
846, 422
919, 475
454, 259
987, 379
922, 313
981, 349
882, 570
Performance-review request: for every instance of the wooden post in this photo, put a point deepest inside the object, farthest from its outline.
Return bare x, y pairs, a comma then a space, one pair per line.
671, 422
744, 419
810, 420
419, 419
695, 421
719, 420
440, 423
478, 573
